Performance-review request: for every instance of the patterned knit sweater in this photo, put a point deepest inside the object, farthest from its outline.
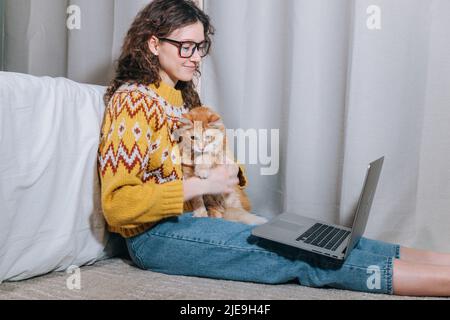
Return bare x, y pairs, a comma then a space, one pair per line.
138, 160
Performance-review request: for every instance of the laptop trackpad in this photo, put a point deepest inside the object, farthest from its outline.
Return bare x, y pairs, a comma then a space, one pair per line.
286, 225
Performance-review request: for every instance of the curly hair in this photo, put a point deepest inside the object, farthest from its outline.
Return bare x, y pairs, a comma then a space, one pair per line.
137, 64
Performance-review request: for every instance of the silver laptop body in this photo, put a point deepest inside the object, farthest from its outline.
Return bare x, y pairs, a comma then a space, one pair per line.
331, 240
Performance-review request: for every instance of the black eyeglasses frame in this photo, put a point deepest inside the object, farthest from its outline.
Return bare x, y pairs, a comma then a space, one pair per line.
180, 44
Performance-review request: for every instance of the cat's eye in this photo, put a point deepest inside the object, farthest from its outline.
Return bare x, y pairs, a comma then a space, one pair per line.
180, 139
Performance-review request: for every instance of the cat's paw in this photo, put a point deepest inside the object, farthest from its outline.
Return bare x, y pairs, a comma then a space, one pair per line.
200, 213
215, 213
256, 220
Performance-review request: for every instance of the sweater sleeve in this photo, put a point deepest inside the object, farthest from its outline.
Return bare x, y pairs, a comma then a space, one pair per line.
139, 181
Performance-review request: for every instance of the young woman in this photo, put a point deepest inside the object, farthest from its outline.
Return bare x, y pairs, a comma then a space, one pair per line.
143, 193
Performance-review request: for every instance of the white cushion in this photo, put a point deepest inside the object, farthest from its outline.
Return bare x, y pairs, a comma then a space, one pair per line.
50, 213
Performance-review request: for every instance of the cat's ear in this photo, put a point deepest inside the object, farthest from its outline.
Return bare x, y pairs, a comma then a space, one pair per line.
215, 122
214, 117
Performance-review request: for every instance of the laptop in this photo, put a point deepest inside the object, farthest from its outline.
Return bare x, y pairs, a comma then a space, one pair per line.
320, 237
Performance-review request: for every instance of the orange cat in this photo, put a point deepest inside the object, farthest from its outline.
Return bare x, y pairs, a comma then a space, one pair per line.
202, 143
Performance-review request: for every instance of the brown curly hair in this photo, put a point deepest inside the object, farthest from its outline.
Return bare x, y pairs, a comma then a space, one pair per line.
137, 64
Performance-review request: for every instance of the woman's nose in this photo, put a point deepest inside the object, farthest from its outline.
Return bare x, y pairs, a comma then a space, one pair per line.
196, 57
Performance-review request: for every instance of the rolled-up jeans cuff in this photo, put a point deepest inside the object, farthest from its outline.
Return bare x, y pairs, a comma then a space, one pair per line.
397, 252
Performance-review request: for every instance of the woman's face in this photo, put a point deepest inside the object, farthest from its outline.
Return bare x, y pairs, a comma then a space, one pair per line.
173, 67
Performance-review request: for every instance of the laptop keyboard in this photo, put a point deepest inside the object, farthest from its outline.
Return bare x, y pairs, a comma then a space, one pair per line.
324, 236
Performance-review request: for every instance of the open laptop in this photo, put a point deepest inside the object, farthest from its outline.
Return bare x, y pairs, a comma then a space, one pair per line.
320, 237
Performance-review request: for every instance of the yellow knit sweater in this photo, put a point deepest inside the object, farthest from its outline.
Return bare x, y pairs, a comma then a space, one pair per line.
138, 160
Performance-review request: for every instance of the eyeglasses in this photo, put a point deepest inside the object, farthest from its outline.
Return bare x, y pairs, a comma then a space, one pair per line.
187, 48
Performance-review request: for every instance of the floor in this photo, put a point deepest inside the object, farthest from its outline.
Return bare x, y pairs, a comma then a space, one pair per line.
118, 279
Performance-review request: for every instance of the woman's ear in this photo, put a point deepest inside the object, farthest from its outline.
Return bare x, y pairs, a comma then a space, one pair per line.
153, 45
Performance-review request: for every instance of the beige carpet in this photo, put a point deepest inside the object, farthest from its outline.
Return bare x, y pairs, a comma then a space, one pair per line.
116, 279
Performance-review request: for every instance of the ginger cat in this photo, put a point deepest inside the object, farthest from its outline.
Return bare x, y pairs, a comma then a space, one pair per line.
202, 142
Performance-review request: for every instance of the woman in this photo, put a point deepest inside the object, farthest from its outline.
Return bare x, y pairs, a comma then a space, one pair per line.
143, 193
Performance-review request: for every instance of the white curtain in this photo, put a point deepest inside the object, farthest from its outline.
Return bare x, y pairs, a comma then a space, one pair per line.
38, 41
342, 94
1, 33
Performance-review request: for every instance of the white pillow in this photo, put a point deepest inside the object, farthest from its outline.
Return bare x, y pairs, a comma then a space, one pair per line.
50, 213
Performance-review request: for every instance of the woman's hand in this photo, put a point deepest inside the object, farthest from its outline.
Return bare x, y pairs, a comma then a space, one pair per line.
222, 179
193, 187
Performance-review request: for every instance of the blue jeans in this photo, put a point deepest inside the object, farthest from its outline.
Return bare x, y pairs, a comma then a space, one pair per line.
216, 248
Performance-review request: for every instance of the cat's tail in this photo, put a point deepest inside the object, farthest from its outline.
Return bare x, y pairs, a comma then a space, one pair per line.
240, 215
